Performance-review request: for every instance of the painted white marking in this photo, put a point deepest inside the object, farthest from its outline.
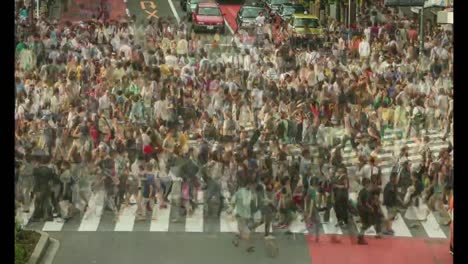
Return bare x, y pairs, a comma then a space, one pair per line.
53, 225
194, 223
228, 223
297, 226
432, 227
229, 26
261, 228
160, 219
330, 228
92, 217
369, 232
174, 11
399, 226
126, 219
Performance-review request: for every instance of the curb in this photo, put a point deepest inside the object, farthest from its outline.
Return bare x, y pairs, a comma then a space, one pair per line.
51, 251
40, 248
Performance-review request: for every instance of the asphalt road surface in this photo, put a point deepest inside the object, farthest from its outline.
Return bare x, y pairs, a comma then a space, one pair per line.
173, 248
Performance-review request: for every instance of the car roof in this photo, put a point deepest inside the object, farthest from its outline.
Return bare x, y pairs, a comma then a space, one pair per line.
293, 5
304, 16
208, 4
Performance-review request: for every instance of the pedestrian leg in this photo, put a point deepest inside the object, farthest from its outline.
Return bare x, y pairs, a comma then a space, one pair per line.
408, 128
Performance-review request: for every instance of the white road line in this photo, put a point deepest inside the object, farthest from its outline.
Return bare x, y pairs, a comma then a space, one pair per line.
92, 217
53, 225
261, 228
297, 226
369, 232
126, 219
228, 26
160, 219
194, 223
330, 228
399, 226
228, 223
432, 227
174, 11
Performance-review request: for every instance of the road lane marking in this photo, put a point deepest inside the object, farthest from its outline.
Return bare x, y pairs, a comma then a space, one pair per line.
228, 26
151, 14
53, 225
126, 220
398, 225
174, 11
92, 217
143, 4
194, 223
228, 223
160, 219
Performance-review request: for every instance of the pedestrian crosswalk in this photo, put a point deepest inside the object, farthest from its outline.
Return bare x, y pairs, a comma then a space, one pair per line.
162, 220
98, 219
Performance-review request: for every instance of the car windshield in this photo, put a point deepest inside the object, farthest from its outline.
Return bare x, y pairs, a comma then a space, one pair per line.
209, 11
290, 10
278, 2
251, 12
306, 22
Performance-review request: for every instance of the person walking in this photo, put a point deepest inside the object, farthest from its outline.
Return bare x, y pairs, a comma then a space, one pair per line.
340, 192
42, 176
311, 216
368, 211
242, 201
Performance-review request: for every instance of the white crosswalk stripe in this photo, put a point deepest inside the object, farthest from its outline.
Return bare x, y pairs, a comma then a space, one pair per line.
194, 222
398, 226
330, 226
126, 219
92, 217
55, 225
160, 219
432, 228
228, 223
160, 222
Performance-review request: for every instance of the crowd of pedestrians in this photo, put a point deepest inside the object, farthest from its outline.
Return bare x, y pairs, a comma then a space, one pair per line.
152, 113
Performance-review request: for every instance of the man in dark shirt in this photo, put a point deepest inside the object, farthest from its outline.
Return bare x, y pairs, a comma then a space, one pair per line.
368, 211
390, 200
340, 189
42, 176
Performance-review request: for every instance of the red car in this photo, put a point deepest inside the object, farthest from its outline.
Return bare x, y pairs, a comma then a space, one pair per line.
208, 17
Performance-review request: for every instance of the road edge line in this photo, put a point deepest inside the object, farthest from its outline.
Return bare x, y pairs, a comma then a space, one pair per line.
174, 11
227, 24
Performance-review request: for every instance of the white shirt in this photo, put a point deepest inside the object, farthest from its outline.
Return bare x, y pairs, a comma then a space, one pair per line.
160, 109
126, 50
104, 102
258, 98
364, 48
246, 62
260, 20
